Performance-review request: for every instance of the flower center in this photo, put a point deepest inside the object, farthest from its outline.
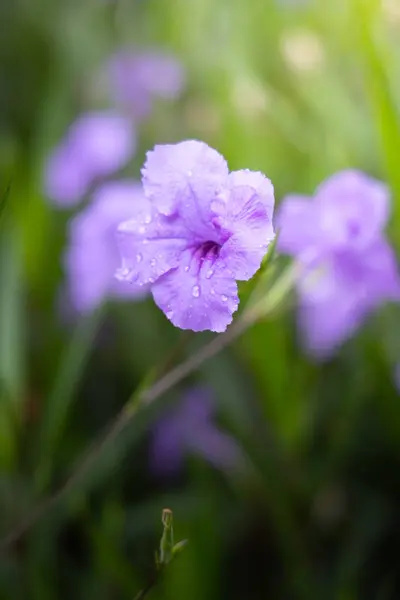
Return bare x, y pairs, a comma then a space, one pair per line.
203, 257
209, 250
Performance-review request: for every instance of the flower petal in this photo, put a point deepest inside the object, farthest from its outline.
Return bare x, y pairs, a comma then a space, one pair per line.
197, 295
354, 208
215, 446
256, 180
249, 219
150, 245
329, 322
135, 77
90, 274
96, 145
159, 74
351, 286
297, 222
167, 448
185, 177
65, 181
103, 141
92, 254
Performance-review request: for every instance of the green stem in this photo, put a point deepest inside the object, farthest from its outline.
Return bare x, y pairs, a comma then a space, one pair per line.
142, 399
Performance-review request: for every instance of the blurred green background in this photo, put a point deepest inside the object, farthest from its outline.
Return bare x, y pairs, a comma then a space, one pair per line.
298, 90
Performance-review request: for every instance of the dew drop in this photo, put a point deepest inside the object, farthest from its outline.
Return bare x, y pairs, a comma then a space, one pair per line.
224, 298
186, 269
195, 291
147, 219
209, 273
123, 272
169, 314
212, 292
153, 262
139, 258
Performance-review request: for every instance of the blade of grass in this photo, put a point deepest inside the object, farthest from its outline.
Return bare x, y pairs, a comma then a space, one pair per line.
11, 316
376, 57
63, 393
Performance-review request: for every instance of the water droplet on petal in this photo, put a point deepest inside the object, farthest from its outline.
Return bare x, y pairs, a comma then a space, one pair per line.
123, 272
212, 292
224, 298
141, 229
153, 262
209, 273
189, 173
147, 219
195, 291
218, 207
186, 269
139, 258
169, 314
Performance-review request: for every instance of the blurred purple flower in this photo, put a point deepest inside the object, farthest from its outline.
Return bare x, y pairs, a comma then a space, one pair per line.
189, 429
92, 255
203, 229
338, 235
135, 78
96, 145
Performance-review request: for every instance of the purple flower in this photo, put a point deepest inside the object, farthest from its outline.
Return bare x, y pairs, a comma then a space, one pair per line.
137, 77
92, 255
96, 145
338, 236
189, 429
203, 228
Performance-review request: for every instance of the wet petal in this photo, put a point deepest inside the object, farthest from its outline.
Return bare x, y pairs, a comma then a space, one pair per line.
150, 245
197, 295
249, 219
256, 180
185, 177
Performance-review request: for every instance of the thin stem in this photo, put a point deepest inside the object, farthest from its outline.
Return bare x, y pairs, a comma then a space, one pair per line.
142, 399
143, 593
